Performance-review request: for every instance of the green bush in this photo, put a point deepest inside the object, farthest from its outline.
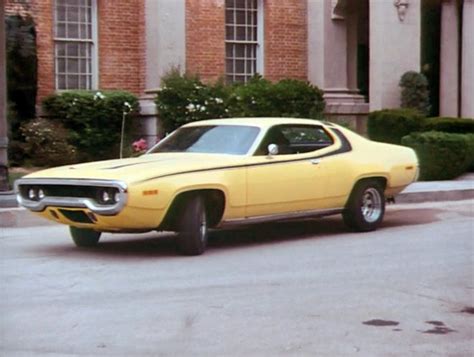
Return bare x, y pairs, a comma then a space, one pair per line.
415, 93
390, 125
46, 143
449, 125
94, 120
286, 98
185, 99
442, 156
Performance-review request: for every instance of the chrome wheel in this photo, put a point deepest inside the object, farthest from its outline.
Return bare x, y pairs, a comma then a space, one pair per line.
371, 205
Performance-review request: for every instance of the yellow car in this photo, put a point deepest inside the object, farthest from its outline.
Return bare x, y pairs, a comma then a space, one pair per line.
217, 173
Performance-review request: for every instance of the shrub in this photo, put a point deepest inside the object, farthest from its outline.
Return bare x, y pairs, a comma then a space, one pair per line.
449, 125
94, 120
46, 143
286, 98
415, 93
442, 156
390, 125
185, 99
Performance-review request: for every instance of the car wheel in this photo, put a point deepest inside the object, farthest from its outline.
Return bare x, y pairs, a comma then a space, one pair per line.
192, 226
84, 237
366, 207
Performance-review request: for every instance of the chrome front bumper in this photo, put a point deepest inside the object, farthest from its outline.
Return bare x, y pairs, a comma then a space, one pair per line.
72, 202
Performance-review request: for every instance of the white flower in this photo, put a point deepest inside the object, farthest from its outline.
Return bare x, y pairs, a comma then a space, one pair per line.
203, 108
99, 95
218, 100
190, 107
127, 104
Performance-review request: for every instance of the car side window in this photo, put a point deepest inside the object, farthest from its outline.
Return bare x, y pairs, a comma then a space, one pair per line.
295, 139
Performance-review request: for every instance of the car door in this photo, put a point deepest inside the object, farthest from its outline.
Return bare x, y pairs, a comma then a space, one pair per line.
292, 180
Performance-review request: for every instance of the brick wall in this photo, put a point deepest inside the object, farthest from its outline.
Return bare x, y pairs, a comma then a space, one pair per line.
285, 33
205, 36
122, 44
286, 39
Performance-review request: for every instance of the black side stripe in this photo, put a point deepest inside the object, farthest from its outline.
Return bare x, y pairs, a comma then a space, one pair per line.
345, 147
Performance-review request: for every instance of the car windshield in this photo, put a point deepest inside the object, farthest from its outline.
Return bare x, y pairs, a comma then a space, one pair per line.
214, 139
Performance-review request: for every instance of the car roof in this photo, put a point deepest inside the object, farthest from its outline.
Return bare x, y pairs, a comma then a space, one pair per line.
264, 122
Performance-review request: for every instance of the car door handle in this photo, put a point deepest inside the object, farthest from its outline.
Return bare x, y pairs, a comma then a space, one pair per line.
315, 161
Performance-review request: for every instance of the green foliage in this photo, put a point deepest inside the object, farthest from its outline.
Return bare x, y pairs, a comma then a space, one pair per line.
286, 98
390, 125
94, 120
442, 156
449, 125
415, 93
46, 143
185, 99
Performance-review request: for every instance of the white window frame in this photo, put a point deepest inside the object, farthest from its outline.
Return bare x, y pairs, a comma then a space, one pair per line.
259, 44
94, 47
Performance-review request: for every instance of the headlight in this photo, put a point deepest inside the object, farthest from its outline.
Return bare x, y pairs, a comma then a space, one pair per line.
32, 194
105, 196
108, 196
40, 194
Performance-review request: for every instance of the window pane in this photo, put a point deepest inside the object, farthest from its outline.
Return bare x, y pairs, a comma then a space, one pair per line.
239, 66
61, 82
72, 31
229, 33
72, 66
83, 82
229, 17
72, 14
229, 66
61, 30
72, 49
229, 50
61, 49
72, 82
61, 13
240, 4
61, 65
240, 51
240, 17
241, 36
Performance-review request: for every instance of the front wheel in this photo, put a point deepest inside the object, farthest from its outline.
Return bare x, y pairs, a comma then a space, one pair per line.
192, 226
366, 207
84, 237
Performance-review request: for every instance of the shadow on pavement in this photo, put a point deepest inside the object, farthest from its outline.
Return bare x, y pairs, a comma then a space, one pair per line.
162, 245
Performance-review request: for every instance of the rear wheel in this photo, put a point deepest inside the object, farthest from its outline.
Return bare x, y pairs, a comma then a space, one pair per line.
84, 237
366, 207
192, 226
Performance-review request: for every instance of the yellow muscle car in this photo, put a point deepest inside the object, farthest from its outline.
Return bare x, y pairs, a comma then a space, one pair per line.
216, 173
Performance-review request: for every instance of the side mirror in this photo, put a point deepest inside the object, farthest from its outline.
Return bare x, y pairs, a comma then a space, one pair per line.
272, 149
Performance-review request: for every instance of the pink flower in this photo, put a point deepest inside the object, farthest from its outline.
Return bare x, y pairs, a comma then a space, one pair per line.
140, 145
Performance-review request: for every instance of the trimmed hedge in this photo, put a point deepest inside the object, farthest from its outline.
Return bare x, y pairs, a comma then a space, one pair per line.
184, 99
442, 156
415, 93
390, 125
93, 119
449, 125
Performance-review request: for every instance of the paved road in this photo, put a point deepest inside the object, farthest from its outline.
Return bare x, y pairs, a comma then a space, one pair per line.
299, 289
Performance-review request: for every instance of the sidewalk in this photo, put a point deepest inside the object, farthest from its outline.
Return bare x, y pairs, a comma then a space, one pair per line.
461, 188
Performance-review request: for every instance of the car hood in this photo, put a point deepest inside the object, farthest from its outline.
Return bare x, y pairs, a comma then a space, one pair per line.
140, 168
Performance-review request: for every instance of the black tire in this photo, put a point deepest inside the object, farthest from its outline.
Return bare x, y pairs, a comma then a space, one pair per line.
366, 206
192, 226
84, 237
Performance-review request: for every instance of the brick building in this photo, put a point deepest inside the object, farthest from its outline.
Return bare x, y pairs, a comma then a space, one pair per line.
356, 51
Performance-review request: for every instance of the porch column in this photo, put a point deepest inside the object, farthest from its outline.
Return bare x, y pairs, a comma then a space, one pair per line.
449, 61
394, 49
467, 76
3, 107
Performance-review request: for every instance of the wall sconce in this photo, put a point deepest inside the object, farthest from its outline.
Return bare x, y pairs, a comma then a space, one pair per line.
402, 6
